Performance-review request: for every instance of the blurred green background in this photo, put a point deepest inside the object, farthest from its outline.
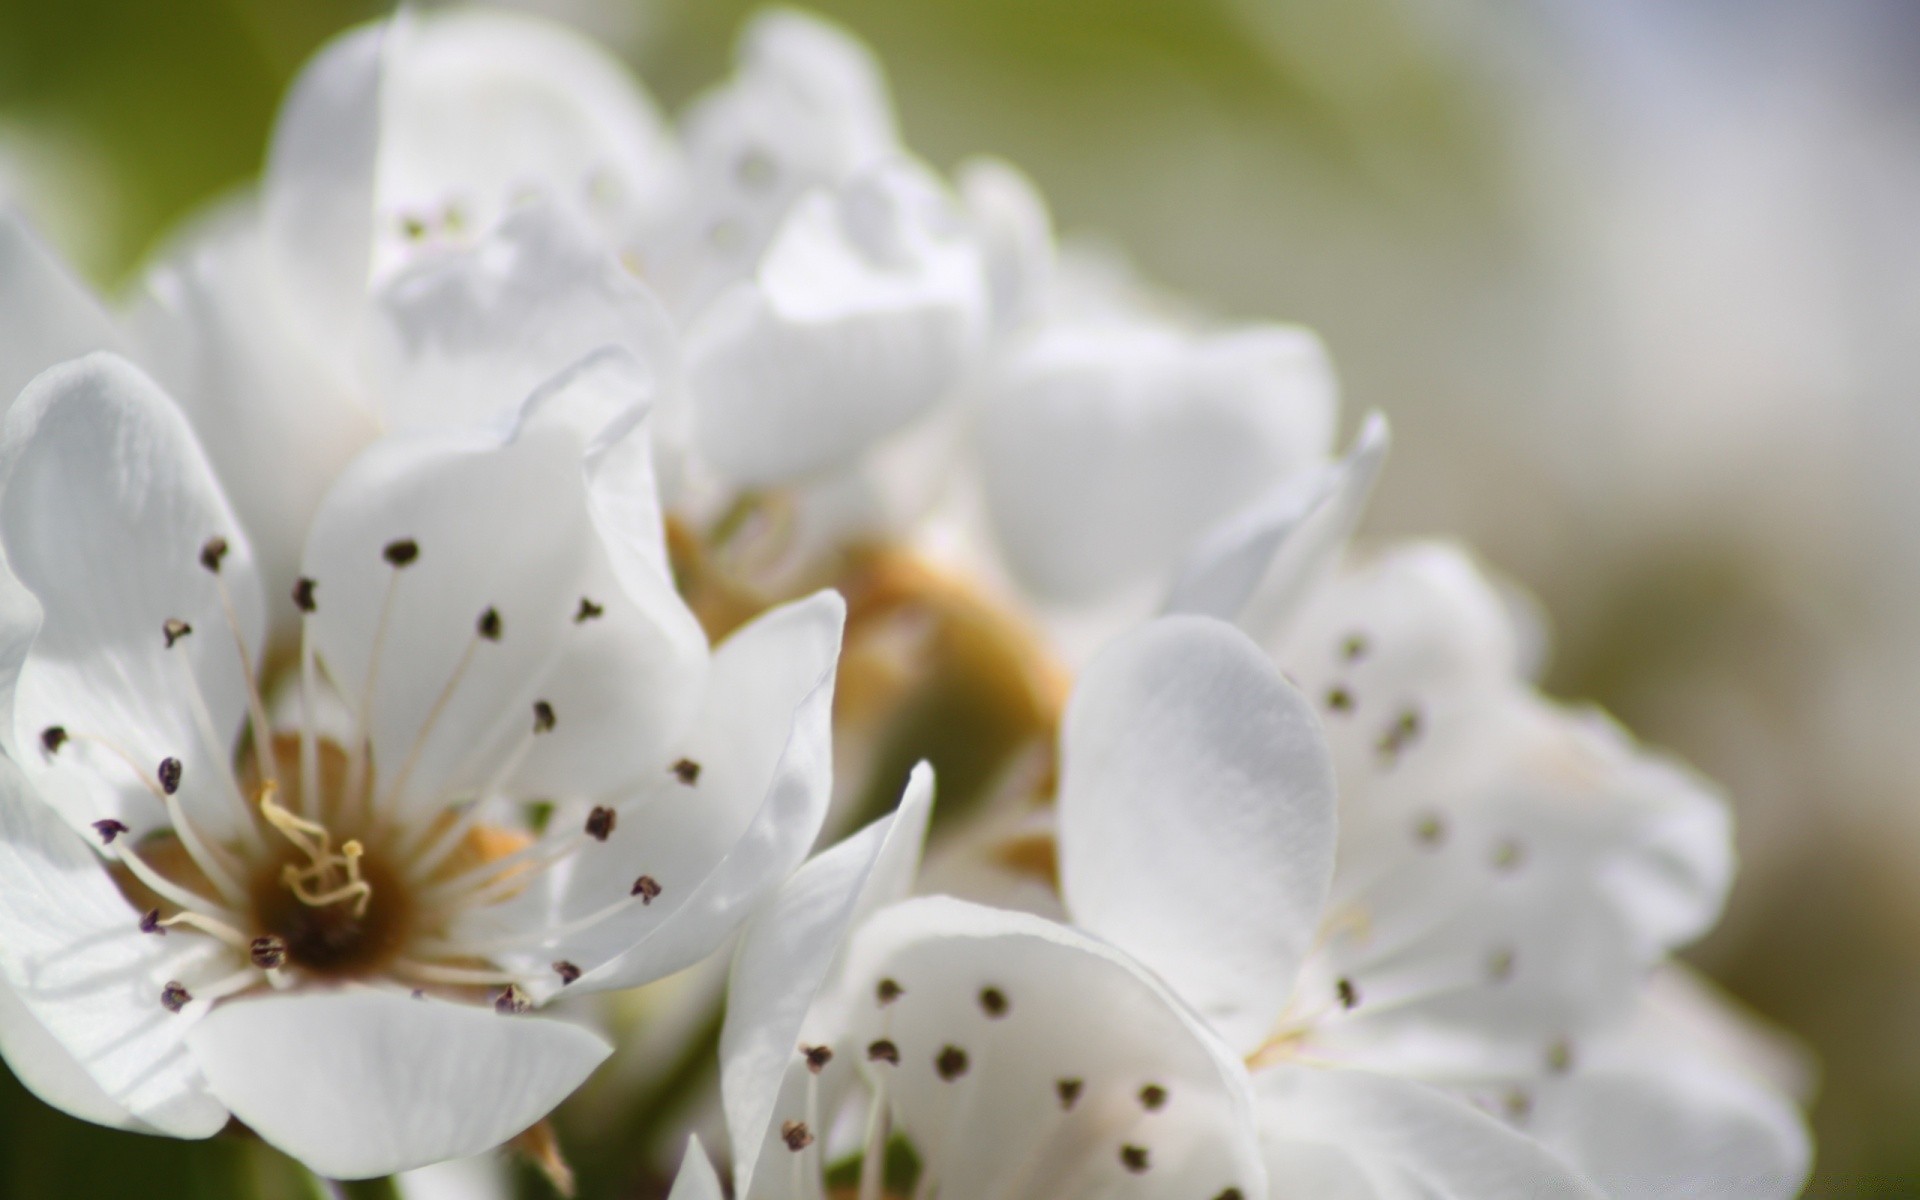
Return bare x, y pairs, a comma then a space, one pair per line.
1635, 281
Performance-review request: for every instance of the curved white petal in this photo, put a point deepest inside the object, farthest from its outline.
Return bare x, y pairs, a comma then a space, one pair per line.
1068, 1070
864, 312
513, 523
1256, 567
719, 845
788, 951
1675, 1124
1505, 865
806, 108
363, 1083
406, 137
468, 335
50, 1071
47, 315
696, 1180
1015, 231
1353, 1135
107, 504
1108, 447
1197, 817
83, 983
276, 418
318, 189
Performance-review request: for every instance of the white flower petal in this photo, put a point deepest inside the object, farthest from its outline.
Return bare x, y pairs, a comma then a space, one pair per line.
1675, 1125
696, 1180
1255, 568
788, 951
1353, 1135
50, 1071
1065, 1011
47, 315
865, 311
510, 522
108, 502
318, 190
362, 1083
1015, 230
402, 138
720, 845
1197, 817
1108, 447
84, 982
805, 108
468, 335
277, 420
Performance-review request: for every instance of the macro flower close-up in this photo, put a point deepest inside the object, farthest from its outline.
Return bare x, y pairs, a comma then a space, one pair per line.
1201, 599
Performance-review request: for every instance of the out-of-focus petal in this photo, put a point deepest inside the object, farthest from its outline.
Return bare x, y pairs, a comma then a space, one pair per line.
1107, 448
1353, 1135
866, 309
1197, 817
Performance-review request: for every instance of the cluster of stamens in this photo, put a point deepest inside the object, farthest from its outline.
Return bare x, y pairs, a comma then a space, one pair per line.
322, 877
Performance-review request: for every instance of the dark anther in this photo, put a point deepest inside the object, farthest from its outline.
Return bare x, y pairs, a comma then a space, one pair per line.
646, 887
1069, 1091
1153, 1097
1399, 735
1348, 993
600, 823
269, 953
566, 971
303, 594
174, 996
687, 771
1500, 965
52, 738
796, 1135
488, 626
418, 993
170, 775
400, 553
211, 552
817, 1057
993, 1002
109, 829
1354, 648
511, 1000
150, 923
1560, 1056
883, 1051
887, 991
543, 718
1134, 1158
1519, 1105
951, 1063
587, 611
1508, 855
174, 629
1339, 700
1430, 830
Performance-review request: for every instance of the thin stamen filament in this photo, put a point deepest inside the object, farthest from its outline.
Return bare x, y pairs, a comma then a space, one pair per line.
440, 703
360, 762
216, 751
438, 847
170, 891
309, 745
425, 972
198, 850
261, 733
206, 924
526, 864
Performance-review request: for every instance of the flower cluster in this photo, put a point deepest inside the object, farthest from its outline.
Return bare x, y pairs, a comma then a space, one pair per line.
422, 605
